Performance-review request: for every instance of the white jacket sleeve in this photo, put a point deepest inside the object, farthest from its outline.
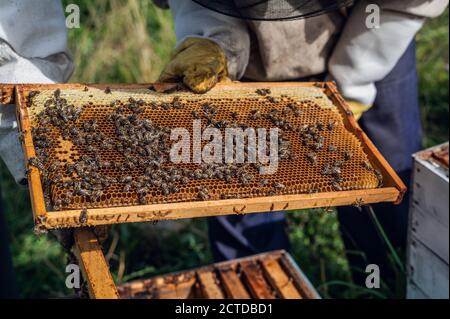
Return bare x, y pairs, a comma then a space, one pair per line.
364, 56
33, 49
193, 20
33, 42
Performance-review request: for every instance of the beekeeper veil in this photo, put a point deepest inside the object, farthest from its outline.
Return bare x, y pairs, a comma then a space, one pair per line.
272, 10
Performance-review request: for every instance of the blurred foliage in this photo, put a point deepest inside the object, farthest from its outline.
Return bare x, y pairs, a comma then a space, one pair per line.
130, 41
433, 69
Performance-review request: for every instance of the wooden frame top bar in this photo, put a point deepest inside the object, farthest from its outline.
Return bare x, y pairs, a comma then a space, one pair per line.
392, 191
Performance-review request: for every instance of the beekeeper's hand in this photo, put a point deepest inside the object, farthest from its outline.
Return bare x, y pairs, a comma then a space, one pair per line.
10, 148
358, 109
200, 63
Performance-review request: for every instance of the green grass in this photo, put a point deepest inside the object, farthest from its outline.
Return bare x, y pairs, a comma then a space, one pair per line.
130, 41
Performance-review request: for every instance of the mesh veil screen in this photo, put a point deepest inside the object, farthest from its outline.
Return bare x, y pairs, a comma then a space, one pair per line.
273, 9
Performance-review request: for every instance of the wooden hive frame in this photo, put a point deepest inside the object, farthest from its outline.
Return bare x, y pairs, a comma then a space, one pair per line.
392, 190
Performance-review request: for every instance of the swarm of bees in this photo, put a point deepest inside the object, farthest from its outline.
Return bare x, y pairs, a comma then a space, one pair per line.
145, 147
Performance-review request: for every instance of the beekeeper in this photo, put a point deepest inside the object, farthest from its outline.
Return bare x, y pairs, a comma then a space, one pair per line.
373, 65
33, 49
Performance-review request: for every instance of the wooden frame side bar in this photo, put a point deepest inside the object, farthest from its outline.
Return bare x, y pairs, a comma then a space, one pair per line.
391, 179
93, 265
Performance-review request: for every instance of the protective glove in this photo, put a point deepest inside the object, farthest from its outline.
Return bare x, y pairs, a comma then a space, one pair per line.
200, 63
358, 109
10, 148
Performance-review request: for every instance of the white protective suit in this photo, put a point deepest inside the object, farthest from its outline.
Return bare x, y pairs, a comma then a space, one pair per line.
340, 44
33, 49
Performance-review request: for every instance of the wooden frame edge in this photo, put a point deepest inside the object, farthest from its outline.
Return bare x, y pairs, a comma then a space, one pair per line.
93, 265
175, 211
34, 179
369, 147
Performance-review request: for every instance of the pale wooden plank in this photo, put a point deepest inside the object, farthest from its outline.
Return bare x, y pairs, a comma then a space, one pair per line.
164, 290
209, 287
93, 265
279, 280
301, 281
425, 228
232, 284
255, 281
427, 271
174, 211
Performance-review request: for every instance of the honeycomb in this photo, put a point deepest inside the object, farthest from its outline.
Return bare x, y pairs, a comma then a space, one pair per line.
298, 175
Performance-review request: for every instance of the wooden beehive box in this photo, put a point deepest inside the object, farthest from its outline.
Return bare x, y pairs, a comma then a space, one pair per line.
305, 186
428, 235
266, 276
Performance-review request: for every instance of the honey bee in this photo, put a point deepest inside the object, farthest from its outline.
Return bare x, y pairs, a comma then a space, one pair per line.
36, 162
143, 200
203, 193
338, 163
57, 94
326, 170
263, 92
263, 182
195, 115
31, 97
320, 126
234, 115
316, 146
67, 198
278, 186
331, 125
126, 179
57, 205
108, 90
273, 99
336, 186
337, 179
165, 189
335, 171
95, 195
332, 148
359, 202
379, 177
83, 216
312, 158
348, 155
366, 164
